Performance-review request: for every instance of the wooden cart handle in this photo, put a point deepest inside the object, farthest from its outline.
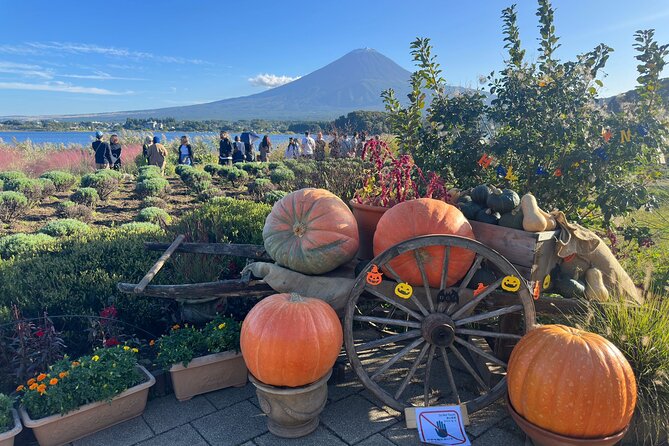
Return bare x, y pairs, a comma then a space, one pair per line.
159, 264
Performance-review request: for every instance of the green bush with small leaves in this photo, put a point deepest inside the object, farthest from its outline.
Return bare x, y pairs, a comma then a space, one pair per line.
25, 244
154, 202
48, 187
64, 227
282, 177
146, 172
235, 176
104, 183
210, 193
6, 417
63, 181
152, 187
11, 175
154, 215
70, 209
259, 187
275, 165
30, 188
140, 226
86, 196
196, 180
273, 196
183, 169
12, 205
213, 169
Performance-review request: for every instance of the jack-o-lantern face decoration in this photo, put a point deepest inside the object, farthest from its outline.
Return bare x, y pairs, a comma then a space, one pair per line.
511, 284
547, 281
374, 276
403, 290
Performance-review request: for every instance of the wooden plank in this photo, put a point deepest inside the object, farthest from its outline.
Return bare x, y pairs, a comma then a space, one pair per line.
159, 264
256, 252
545, 305
410, 415
545, 260
202, 291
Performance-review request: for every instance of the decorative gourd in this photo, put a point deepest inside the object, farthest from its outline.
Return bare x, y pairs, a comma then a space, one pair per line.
290, 340
464, 199
453, 195
571, 382
513, 219
533, 220
311, 231
480, 194
502, 200
551, 223
424, 216
487, 216
569, 288
469, 209
594, 285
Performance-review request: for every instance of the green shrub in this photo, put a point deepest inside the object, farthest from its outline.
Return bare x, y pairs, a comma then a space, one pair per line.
304, 171
259, 187
154, 202
196, 180
282, 177
23, 244
183, 169
152, 187
6, 417
273, 196
235, 176
104, 183
210, 193
154, 215
140, 226
225, 170
11, 175
64, 227
220, 220
63, 181
70, 209
30, 188
48, 187
12, 205
86, 196
110, 173
213, 169
146, 172
275, 165
254, 168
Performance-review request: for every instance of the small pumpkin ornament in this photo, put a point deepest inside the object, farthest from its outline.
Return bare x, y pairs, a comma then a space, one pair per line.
290, 340
424, 216
311, 231
571, 382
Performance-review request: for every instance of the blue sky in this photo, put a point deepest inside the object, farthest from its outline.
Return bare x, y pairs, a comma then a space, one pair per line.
80, 57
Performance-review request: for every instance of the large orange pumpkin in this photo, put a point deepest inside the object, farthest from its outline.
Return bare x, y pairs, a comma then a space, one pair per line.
424, 216
290, 340
311, 231
571, 382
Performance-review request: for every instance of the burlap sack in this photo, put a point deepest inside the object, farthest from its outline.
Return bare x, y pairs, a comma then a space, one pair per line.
581, 249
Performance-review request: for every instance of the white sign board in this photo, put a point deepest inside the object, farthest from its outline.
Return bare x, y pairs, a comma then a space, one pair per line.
441, 425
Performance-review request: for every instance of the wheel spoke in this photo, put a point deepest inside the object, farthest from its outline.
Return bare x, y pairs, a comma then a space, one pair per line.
480, 352
475, 266
383, 320
487, 334
474, 302
397, 304
426, 283
449, 374
444, 268
469, 368
428, 369
397, 279
488, 315
399, 355
412, 371
388, 340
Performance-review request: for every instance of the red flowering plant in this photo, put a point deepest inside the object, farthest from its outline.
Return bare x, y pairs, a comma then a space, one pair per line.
105, 329
391, 180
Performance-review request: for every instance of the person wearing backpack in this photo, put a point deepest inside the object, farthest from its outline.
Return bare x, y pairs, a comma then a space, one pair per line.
157, 154
225, 150
238, 151
103, 155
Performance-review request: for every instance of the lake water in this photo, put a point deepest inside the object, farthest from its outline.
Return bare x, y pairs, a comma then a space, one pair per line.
85, 138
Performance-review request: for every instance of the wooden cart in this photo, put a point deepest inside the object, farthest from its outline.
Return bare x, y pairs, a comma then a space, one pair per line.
439, 346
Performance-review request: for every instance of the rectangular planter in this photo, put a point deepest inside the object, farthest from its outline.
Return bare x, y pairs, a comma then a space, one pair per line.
59, 429
7, 438
208, 373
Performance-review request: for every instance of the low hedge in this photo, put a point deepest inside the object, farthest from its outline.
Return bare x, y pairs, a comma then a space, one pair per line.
63, 181
154, 215
25, 244
104, 183
152, 187
154, 202
29, 187
11, 175
86, 196
273, 196
12, 205
70, 209
64, 227
259, 187
48, 187
282, 177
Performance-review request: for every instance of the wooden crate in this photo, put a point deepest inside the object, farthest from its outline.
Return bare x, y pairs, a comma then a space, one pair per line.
532, 253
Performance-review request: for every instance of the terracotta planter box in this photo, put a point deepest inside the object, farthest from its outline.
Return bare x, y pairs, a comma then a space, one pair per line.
7, 438
208, 373
61, 429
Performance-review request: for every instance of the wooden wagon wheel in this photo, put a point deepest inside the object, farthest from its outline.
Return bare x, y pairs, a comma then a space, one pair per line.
432, 330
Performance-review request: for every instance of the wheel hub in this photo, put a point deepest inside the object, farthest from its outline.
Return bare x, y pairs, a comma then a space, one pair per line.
438, 329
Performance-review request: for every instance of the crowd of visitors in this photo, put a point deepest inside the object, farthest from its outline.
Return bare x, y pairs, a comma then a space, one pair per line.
241, 149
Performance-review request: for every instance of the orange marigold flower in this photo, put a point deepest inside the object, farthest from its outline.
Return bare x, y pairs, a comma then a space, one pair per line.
53, 381
63, 374
41, 377
20, 388
33, 386
31, 381
75, 363
152, 342
176, 327
41, 388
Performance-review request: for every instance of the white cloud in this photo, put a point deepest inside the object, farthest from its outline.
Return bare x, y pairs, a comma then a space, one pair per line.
26, 70
60, 87
270, 80
101, 75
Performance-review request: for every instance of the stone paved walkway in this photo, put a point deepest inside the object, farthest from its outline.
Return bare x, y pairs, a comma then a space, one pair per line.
232, 417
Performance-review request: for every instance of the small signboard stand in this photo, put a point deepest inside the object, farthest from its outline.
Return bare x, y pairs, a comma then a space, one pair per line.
443, 425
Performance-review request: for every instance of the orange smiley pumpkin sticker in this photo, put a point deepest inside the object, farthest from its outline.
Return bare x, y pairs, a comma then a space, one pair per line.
374, 276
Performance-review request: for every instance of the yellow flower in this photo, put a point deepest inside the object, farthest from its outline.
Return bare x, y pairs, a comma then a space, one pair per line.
126, 348
152, 343
176, 327
53, 381
221, 326
542, 83
41, 377
33, 386
31, 381
95, 358
135, 350
20, 388
63, 374
41, 388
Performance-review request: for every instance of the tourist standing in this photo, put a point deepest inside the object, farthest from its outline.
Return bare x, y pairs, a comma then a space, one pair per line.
185, 151
157, 154
360, 145
308, 146
115, 149
346, 146
103, 157
238, 149
335, 146
319, 151
292, 151
265, 148
249, 139
145, 148
225, 150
